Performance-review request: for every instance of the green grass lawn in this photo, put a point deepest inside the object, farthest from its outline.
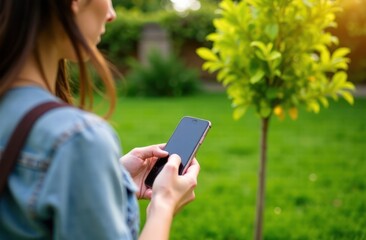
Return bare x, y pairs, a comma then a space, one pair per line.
316, 175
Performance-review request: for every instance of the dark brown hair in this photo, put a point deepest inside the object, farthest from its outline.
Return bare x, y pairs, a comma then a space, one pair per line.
20, 24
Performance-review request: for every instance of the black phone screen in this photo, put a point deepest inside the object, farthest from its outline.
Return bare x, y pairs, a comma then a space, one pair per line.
184, 142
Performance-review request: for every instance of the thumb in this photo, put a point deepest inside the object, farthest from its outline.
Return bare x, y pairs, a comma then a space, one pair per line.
174, 161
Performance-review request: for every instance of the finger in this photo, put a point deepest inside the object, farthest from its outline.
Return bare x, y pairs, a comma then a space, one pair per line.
174, 161
161, 145
151, 151
194, 169
194, 162
159, 151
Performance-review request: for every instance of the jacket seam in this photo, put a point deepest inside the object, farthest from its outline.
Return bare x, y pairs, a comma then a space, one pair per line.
32, 203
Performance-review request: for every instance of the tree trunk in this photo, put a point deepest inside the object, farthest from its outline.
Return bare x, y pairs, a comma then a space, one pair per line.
261, 180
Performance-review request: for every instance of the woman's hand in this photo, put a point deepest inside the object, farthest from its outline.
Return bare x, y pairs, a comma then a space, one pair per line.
174, 191
170, 193
139, 162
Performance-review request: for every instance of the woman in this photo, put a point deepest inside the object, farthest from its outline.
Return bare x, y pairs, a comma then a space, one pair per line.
69, 182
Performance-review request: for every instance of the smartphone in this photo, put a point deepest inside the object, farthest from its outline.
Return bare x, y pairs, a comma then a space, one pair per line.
185, 141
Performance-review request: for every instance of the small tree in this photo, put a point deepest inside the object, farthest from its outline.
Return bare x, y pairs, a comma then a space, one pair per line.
275, 55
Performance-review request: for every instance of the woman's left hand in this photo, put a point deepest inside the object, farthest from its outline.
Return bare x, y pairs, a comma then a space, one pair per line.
139, 162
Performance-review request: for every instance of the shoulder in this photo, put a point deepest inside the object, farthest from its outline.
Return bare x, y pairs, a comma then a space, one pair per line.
69, 120
17, 102
54, 128
61, 125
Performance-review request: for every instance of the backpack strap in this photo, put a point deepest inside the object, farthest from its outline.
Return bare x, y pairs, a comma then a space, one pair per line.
18, 138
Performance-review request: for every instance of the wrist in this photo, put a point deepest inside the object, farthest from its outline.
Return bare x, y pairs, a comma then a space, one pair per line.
161, 207
159, 220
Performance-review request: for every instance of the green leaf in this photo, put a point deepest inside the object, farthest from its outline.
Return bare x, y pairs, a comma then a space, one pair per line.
260, 45
277, 73
207, 54
341, 52
349, 86
222, 24
272, 31
324, 101
339, 79
274, 55
229, 79
265, 111
348, 97
260, 55
239, 112
254, 65
325, 56
212, 66
272, 93
227, 6
212, 37
222, 74
258, 76
339, 61
314, 106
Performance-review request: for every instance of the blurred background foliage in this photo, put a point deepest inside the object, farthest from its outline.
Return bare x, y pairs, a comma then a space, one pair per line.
164, 76
151, 5
120, 43
351, 32
122, 36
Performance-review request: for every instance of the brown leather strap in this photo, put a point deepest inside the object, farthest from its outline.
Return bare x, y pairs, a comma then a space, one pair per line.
18, 138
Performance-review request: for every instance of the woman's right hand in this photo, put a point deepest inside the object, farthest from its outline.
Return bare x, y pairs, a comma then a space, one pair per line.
172, 190
170, 193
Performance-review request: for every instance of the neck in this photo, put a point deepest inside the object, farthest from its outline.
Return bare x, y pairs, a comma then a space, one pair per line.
40, 69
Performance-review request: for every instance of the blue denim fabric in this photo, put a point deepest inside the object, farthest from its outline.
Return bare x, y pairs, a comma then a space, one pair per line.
68, 182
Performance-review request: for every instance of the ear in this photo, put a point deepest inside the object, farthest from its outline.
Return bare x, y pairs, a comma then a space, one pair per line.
75, 6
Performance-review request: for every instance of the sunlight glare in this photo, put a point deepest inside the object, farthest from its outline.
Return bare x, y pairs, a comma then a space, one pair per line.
184, 5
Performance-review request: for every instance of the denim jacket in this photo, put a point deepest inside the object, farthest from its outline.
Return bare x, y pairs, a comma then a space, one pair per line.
68, 182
